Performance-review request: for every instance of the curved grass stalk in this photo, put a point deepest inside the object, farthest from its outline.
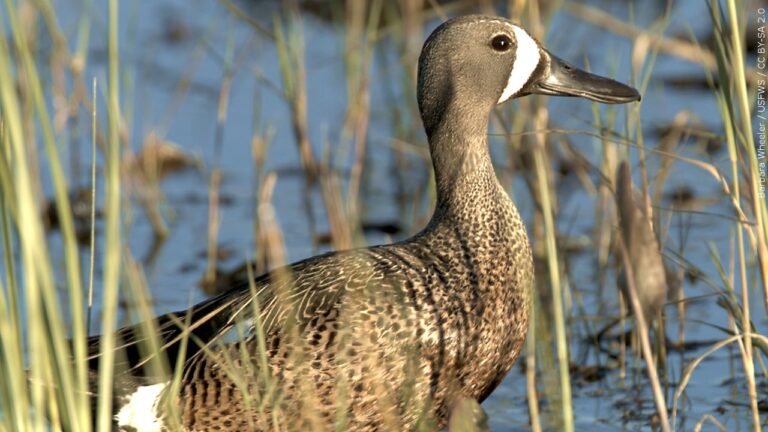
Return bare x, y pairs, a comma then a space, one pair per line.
688, 373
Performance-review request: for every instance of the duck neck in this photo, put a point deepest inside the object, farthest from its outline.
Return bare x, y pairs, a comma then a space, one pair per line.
459, 147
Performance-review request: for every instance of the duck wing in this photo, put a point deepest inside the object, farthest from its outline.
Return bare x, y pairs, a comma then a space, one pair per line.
301, 290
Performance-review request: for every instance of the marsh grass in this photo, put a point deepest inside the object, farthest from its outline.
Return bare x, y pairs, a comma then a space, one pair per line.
45, 378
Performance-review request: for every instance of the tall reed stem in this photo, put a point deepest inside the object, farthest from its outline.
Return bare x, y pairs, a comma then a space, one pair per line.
113, 243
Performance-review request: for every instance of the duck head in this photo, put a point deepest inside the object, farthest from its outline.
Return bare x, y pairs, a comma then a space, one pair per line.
471, 63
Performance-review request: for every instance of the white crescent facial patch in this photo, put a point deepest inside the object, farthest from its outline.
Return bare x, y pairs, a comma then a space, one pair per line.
527, 58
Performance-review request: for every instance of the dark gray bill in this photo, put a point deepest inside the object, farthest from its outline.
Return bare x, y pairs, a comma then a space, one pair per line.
563, 79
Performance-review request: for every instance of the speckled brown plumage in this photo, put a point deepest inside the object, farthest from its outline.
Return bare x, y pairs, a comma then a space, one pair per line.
432, 300
392, 336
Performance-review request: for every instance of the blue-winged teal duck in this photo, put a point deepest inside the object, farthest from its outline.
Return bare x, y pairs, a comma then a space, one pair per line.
391, 336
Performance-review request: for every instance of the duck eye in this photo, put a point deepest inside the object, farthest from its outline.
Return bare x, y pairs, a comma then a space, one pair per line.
501, 43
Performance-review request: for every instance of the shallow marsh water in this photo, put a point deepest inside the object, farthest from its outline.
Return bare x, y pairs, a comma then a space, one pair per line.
163, 42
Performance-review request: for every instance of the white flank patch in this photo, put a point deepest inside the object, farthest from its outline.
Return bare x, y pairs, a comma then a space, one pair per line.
140, 412
527, 57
